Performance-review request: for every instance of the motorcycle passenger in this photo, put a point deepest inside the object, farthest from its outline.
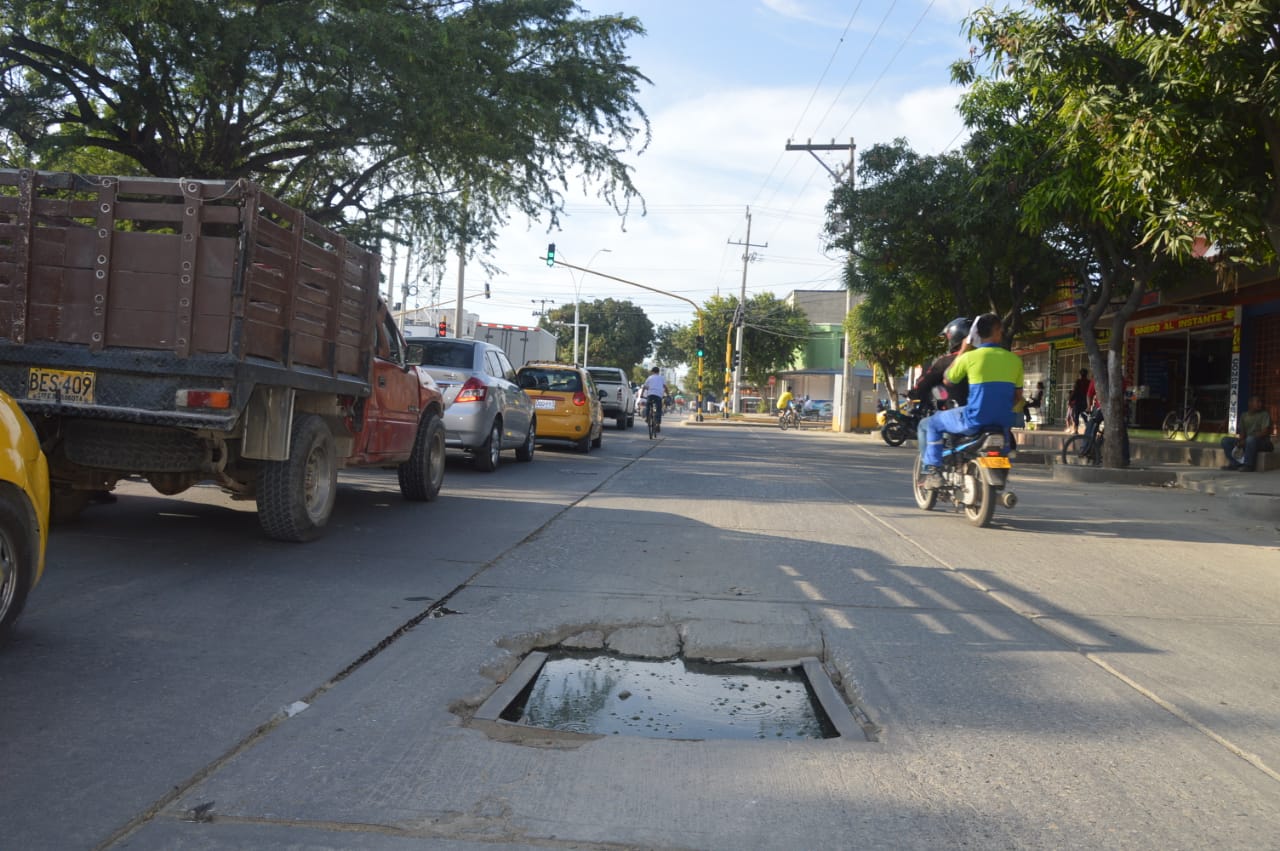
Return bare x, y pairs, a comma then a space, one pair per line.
995, 388
654, 391
956, 334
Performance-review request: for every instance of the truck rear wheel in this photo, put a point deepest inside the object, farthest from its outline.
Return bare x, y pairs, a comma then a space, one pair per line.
296, 496
423, 474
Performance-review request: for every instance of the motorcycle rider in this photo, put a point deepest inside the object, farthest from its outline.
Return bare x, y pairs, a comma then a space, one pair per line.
956, 334
995, 389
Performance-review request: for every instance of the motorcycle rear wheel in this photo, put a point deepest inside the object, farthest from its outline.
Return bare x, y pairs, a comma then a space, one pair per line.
925, 498
894, 433
984, 503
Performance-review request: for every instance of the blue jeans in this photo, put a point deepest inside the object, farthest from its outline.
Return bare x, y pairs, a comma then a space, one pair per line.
654, 403
1252, 445
929, 435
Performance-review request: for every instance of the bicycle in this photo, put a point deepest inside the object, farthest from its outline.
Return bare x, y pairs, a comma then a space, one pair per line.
790, 418
1085, 449
1188, 423
653, 417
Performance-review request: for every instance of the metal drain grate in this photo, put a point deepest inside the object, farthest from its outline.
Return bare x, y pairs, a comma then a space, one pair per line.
597, 694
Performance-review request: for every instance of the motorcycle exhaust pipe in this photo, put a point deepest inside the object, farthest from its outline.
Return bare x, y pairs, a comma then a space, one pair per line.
1008, 499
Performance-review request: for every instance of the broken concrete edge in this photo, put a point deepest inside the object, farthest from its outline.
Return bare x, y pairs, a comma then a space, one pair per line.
502, 697
847, 712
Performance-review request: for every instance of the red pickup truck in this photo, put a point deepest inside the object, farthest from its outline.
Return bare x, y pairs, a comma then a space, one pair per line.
189, 330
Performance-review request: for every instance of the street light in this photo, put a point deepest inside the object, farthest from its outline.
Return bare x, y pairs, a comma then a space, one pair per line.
577, 296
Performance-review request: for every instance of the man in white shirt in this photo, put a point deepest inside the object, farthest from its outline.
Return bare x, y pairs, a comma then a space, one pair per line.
654, 391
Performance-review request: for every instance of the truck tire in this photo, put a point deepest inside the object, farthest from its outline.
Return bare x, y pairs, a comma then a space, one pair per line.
296, 496
489, 454
621, 422
423, 474
17, 561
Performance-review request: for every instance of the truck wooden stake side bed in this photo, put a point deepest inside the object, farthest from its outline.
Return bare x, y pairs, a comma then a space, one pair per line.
195, 330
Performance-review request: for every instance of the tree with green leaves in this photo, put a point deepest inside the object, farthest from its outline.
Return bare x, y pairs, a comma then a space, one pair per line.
942, 233
620, 333
1182, 102
1033, 96
450, 114
884, 330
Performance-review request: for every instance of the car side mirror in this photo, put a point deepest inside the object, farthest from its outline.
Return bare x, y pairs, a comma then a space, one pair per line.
604, 394
413, 354
526, 382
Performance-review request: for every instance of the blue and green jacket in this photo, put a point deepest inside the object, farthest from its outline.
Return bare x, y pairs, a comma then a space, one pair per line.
995, 375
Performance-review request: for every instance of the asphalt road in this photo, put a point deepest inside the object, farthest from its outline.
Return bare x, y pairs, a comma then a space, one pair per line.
1096, 670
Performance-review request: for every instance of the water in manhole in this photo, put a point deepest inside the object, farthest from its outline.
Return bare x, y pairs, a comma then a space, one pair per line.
669, 699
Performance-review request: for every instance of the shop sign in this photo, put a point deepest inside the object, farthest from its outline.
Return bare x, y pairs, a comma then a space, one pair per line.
1185, 323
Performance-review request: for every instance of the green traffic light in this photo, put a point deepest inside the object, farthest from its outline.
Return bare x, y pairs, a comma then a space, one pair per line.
551, 254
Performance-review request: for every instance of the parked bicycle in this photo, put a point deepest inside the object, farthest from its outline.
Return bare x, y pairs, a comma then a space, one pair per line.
1187, 423
1085, 449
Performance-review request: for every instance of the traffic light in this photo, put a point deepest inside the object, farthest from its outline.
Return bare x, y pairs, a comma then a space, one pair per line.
701, 347
486, 289
551, 254
737, 359
443, 328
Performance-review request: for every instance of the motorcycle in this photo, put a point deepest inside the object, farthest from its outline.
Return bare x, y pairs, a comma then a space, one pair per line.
900, 426
975, 470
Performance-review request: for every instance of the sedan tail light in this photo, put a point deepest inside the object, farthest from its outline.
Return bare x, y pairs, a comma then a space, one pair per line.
579, 398
473, 391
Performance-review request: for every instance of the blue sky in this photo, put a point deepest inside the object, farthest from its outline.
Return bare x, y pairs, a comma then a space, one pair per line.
733, 80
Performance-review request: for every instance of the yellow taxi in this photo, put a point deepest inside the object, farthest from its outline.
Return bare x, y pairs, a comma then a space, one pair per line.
24, 511
566, 403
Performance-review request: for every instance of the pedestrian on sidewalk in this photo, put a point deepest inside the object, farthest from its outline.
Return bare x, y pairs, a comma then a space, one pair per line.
1254, 437
1035, 403
1077, 401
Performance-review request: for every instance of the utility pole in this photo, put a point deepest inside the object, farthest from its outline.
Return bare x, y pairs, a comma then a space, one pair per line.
741, 315
843, 406
542, 311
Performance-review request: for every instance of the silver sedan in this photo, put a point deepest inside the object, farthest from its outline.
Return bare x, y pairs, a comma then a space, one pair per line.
485, 412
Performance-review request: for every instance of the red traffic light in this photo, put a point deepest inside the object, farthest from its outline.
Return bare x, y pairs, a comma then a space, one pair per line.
443, 328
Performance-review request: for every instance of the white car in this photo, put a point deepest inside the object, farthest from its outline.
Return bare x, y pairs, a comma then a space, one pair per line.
618, 402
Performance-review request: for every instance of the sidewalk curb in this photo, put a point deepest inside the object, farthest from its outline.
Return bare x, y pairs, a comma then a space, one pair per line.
1122, 476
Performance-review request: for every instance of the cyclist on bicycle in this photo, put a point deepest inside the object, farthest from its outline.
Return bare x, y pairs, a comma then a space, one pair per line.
654, 390
784, 401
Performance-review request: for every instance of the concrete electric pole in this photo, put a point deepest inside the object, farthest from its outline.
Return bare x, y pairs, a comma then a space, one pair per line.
741, 315
844, 408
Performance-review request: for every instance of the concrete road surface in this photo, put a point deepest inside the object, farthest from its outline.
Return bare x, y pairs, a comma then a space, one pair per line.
1096, 670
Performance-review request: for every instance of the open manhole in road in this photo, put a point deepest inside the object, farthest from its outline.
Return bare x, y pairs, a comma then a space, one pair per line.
601, 694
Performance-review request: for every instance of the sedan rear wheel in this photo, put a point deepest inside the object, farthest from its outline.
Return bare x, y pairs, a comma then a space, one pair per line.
489, 454
524, 452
